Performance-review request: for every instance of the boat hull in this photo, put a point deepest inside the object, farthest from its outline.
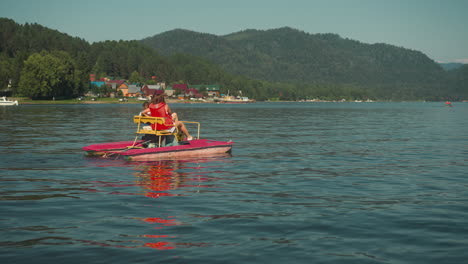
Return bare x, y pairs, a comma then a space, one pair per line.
8, 102
236, 101
193, 148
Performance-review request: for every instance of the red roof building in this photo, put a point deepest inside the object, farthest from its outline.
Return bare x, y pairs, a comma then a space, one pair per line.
114, 84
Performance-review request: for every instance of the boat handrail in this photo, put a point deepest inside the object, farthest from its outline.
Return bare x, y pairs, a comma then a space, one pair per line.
193, 122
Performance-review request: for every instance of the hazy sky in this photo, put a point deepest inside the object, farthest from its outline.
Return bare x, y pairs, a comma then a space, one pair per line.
438, 28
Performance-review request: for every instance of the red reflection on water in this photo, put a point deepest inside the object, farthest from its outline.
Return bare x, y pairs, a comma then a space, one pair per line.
158, 236
162, 245
166, 222
158, 179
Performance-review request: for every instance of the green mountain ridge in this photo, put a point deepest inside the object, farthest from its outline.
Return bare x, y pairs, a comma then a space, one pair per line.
291, 55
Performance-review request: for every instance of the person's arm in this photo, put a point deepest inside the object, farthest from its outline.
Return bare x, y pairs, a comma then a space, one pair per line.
145, 112
168, 110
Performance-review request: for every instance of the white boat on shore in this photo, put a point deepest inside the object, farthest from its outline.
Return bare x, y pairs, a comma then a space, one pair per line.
4, 101
234, 100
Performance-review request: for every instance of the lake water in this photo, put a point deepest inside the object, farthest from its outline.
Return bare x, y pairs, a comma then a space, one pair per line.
306, 183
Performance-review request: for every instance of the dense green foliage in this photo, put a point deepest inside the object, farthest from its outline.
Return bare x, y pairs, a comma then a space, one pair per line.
282, 64
32, 57
47, 75
458, 83
450, 65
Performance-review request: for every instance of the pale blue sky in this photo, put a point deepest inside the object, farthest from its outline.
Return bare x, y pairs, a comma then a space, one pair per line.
438, 28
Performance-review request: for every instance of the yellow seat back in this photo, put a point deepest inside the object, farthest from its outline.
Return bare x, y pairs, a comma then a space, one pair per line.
140, 120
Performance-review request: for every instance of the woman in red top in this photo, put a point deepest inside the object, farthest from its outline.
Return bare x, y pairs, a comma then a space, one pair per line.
159, 108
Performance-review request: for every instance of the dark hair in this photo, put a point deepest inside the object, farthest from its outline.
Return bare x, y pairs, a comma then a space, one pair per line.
158, 99
146, 105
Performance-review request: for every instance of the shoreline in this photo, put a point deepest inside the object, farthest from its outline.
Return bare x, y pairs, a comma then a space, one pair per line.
177, 101
102, 101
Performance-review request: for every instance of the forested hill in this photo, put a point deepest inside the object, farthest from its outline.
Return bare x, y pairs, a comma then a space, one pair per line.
284, 64
290, 55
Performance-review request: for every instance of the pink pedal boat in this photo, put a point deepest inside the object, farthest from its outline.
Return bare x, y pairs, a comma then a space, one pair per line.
155, 148
192, 148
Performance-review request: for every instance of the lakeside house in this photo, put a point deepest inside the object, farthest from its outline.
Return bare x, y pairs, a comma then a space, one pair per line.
129, 90
180, 87
169, 91
149, 90
133, 91
196, 91
181, 90
114, 84
123, 88
212, 90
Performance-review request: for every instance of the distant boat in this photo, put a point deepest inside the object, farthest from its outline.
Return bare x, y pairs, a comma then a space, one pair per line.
142, 99
234, 100
448, 103
4, 101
